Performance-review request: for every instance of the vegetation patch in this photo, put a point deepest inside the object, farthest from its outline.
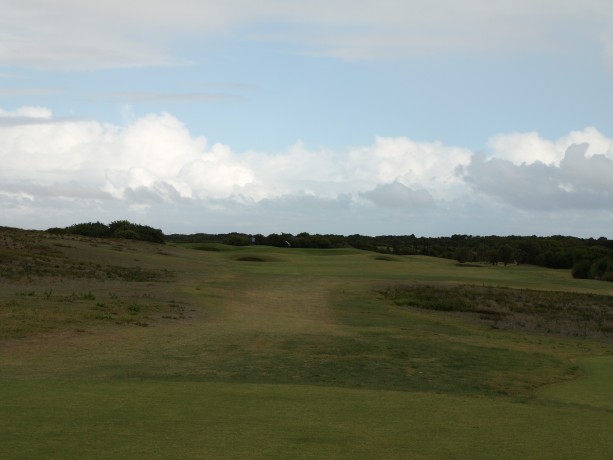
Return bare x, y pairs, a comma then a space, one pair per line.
26, 257
571, 314
33, 312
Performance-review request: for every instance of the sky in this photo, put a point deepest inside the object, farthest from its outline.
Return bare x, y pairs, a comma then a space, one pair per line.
433, 118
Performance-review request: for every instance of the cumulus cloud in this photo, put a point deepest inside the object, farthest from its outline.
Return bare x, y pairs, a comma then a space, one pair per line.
397, 195
529, 148
157, 152
95, 34
421, 165
578, 182
77, 170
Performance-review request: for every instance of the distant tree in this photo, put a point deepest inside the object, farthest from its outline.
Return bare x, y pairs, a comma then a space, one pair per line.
117, 229
506, 254
259, 239
527, 251
320, 242
57, 230
126, 229
558, 259
92, 229
600, 267
126, 234
463, 254
237, 239
521, 256
581, 269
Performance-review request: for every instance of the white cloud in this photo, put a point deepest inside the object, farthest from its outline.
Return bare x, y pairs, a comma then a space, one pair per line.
153, 167
98, 34
218, 174
420, 165
530, 148
27, 112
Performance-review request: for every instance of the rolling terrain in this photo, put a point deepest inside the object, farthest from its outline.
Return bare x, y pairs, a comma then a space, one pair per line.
125, 349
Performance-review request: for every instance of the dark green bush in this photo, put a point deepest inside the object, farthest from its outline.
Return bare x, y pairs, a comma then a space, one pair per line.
116, 229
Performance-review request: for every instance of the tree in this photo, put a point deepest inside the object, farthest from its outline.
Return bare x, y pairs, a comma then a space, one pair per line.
237, 239
91, 229
506, 254
463, 254
582, 269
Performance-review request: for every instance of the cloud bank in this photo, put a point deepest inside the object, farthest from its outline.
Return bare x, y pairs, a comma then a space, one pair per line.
152, 169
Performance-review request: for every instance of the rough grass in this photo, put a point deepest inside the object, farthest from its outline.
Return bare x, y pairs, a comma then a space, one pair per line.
300, 358
28, 257
549, 312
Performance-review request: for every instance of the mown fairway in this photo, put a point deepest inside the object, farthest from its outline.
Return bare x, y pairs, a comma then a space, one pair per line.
115, 349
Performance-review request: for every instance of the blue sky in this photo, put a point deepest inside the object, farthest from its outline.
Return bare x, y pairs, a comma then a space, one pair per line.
385, 117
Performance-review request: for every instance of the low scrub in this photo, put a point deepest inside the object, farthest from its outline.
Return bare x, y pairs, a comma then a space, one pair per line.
562, 313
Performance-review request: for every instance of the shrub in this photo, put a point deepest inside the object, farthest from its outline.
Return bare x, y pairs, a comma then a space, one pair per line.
92, 229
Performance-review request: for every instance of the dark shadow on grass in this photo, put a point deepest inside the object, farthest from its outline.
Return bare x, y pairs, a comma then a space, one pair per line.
252, 259
207, 248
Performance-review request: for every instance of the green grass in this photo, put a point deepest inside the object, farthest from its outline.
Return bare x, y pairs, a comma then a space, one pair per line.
592, 389
163, 420
297, 357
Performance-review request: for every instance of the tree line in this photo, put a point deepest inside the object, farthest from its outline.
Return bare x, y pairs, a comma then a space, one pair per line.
586, 257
